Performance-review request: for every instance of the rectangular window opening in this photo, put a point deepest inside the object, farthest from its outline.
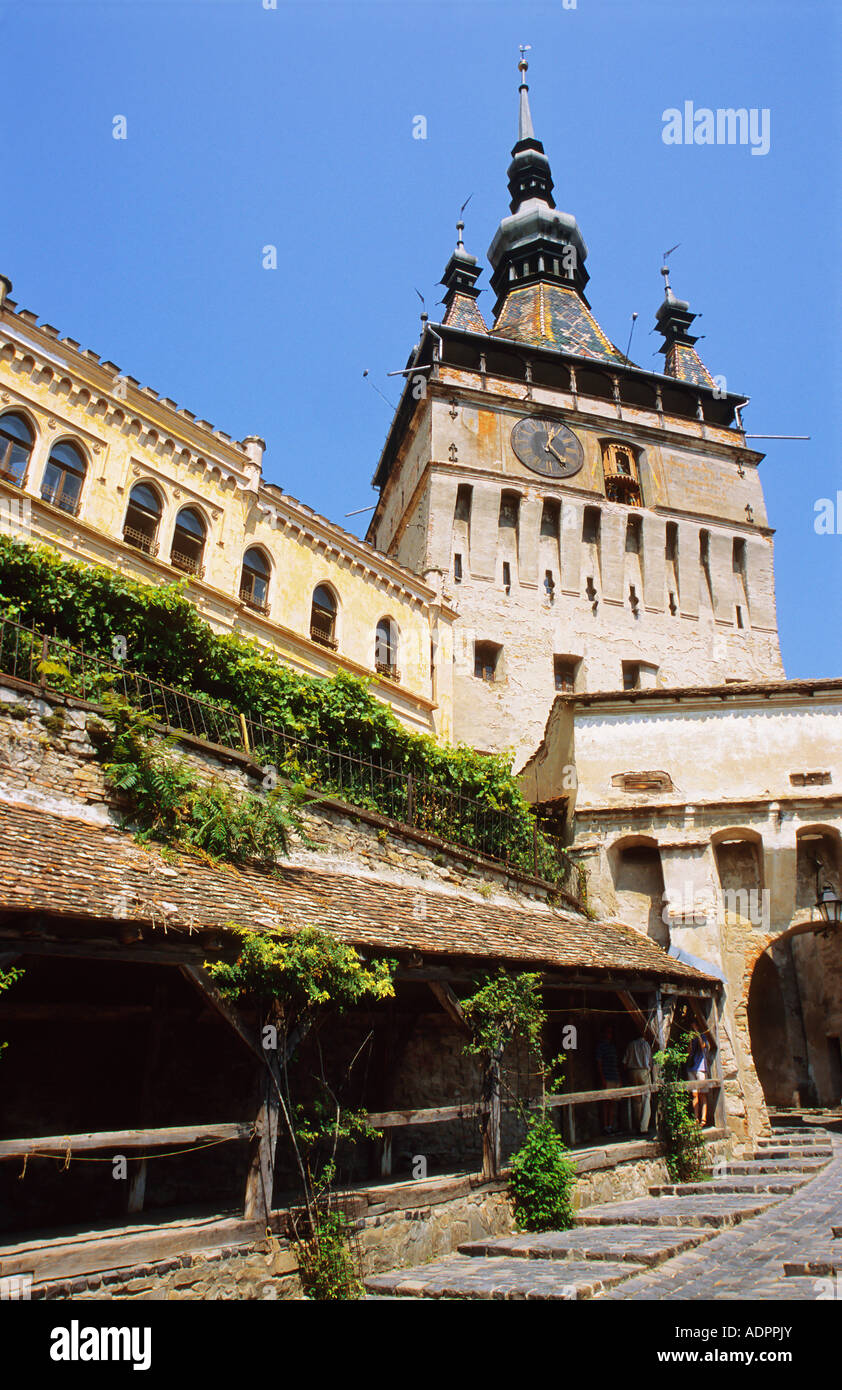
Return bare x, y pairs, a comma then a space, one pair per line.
486, 655
591, 525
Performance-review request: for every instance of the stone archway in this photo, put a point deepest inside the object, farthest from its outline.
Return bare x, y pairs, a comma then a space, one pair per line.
769, 1031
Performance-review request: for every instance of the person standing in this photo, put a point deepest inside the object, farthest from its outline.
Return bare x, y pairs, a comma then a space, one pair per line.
608, 1070
637, 1059
698, 1069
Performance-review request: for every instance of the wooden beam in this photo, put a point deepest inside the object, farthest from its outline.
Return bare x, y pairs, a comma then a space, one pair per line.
640, 1018
701, 1018
201, 981
451, 1005
179, 953
393, 1119
119, 1139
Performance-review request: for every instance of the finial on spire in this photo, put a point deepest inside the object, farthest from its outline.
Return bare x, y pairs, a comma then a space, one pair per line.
524, 126
460, 227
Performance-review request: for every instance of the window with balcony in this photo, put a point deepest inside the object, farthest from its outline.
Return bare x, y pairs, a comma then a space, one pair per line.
386, 649
143, 517
188, 542
622, 481
16, 440
323, 617
64, 475
254, 580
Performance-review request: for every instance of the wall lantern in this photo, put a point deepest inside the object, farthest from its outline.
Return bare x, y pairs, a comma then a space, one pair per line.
830, 906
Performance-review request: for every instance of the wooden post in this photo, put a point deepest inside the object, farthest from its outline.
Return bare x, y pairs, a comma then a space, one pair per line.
137, 1186
386, 1155
261, 1173
491, 1119
716, 1069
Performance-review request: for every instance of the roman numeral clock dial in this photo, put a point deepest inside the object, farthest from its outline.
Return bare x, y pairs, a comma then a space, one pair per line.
547, 447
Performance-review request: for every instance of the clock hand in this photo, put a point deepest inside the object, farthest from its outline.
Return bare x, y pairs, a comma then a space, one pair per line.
549, 447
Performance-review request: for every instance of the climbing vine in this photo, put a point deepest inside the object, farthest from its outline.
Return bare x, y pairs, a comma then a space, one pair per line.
684, 1145
294, 982
505, 1009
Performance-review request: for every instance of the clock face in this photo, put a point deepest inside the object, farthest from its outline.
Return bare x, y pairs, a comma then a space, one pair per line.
547, 447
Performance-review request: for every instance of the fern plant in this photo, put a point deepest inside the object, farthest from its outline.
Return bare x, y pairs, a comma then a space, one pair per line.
170, 803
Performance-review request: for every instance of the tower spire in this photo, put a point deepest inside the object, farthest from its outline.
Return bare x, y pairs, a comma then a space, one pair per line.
524, 124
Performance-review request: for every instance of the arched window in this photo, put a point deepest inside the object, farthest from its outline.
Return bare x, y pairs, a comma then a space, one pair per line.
143, 516
386, 649
64, 475
16, 440
323, 617
254, 580
188, 542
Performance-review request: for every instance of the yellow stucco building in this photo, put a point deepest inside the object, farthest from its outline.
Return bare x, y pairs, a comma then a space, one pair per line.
105, 470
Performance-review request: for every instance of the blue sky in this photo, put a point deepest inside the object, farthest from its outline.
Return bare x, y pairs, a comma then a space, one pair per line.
293, 127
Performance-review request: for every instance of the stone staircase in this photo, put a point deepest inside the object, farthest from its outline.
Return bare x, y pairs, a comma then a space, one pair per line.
613, 1242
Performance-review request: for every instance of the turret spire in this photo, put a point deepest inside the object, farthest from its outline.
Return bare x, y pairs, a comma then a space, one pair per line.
673, 321
459, 280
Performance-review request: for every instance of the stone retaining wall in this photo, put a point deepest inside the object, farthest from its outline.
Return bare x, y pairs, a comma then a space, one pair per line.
401, 1225
48, 761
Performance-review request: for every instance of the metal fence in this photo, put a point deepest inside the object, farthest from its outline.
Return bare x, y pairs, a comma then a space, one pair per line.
377, 785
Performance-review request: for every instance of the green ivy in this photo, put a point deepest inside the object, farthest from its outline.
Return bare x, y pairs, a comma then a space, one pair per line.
684, 1145
89, 606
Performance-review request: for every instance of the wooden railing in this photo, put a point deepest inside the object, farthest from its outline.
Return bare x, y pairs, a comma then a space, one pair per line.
389, 1120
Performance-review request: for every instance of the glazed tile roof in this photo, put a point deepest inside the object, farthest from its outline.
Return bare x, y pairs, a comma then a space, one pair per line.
685, 363
464, 312
72, 869
554, 316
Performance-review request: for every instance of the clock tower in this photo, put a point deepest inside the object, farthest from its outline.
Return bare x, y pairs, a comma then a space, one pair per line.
596, 525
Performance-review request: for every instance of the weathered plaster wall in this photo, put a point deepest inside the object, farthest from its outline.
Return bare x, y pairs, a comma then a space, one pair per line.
688, 471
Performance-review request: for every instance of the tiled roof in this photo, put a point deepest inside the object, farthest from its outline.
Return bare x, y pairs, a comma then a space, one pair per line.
69, 868
685, 364
464, 312
553, 316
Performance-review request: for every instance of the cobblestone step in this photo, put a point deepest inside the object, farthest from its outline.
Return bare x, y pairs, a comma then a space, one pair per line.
707, 1209
811, 1151
461, 1276
826, 1264
747, 1183
643, 1245
797, 1139
762, 1164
